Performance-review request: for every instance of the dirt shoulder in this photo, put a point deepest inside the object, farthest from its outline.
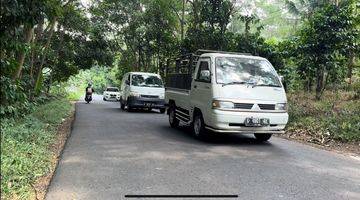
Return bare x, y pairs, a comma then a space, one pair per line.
63, 132
352, 149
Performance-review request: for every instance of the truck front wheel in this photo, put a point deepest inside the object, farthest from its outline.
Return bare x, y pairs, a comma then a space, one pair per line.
262, 137
172, 117
199, 126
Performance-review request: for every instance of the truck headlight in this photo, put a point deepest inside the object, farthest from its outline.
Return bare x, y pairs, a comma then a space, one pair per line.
162, 96
222, 104
281, 106
134, 94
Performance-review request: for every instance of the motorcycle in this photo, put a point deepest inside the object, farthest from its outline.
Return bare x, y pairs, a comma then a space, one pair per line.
88, 98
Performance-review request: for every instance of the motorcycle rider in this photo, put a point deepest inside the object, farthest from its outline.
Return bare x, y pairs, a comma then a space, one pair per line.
88, 93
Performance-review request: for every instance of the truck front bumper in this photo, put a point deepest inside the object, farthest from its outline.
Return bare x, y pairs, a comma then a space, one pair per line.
141, 102
234, 122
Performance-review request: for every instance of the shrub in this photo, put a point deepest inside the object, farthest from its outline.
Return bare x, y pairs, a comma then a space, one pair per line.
335, 117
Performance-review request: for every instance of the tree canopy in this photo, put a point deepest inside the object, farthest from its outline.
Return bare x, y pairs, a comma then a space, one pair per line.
314, 44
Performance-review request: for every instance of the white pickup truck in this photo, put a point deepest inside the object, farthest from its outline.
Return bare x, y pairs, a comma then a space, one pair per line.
226, 92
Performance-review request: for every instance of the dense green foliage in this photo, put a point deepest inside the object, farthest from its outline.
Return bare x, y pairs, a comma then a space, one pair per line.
25, 142
44, 43
325, 48
99, 77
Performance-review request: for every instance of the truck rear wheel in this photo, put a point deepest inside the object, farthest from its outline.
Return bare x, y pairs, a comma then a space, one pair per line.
199, 126
172, 117
262, 137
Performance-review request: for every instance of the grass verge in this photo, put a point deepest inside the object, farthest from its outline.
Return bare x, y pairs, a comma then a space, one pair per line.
333, 121
26, 152
75, 95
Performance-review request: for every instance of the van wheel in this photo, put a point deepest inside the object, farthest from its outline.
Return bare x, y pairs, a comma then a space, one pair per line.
122, 106
174, 123
262, 137
104, 99
199, 126
129, 108
162, 110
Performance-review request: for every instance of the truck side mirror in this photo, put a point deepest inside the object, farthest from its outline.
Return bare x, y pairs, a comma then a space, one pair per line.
205, 75
127, 82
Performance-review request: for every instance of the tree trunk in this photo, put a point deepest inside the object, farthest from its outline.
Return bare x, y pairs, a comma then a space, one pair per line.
38, 32
351, 65
36, 37
28, 32
320, 81
247, 27
182, 20
139, 59
39, 71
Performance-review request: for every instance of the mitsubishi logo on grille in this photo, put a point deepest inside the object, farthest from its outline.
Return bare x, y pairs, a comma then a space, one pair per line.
255, 107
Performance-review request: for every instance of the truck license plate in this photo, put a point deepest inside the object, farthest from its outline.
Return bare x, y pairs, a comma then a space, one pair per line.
251, 121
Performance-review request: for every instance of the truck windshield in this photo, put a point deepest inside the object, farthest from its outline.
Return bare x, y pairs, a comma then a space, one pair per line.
231, 70
143, 80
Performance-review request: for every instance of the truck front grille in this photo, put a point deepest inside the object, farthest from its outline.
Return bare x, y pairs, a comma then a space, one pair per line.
243, 105
267, 106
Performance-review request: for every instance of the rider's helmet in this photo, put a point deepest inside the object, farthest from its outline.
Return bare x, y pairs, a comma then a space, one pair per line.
89, 84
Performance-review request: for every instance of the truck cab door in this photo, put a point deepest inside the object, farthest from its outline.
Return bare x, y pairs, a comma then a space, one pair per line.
201, 92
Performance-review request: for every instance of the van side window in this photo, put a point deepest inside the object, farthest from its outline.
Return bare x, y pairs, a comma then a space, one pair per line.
203, 74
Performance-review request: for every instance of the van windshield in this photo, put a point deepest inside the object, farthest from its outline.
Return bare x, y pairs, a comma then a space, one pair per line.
112, 89
144, 80
231, 70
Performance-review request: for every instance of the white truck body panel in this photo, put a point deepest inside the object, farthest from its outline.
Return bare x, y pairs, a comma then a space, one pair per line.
202, 94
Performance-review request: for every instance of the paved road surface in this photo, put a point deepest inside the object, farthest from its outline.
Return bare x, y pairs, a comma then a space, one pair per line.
112, 153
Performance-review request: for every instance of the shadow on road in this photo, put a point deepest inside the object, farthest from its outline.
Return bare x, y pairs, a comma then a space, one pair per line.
184, 133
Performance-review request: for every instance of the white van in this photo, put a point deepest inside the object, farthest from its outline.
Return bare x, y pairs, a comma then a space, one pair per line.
142, 90
227, 93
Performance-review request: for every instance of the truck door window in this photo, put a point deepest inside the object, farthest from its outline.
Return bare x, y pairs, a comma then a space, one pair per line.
203, 74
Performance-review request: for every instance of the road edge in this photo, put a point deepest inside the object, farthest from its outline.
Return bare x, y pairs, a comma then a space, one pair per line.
63, 133
342, 151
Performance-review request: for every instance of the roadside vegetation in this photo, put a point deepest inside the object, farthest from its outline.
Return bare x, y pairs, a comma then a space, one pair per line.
25, 146
334, 120
99, 77
54, 48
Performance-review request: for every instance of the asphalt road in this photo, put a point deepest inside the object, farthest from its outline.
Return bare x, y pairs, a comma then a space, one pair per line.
112, 153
